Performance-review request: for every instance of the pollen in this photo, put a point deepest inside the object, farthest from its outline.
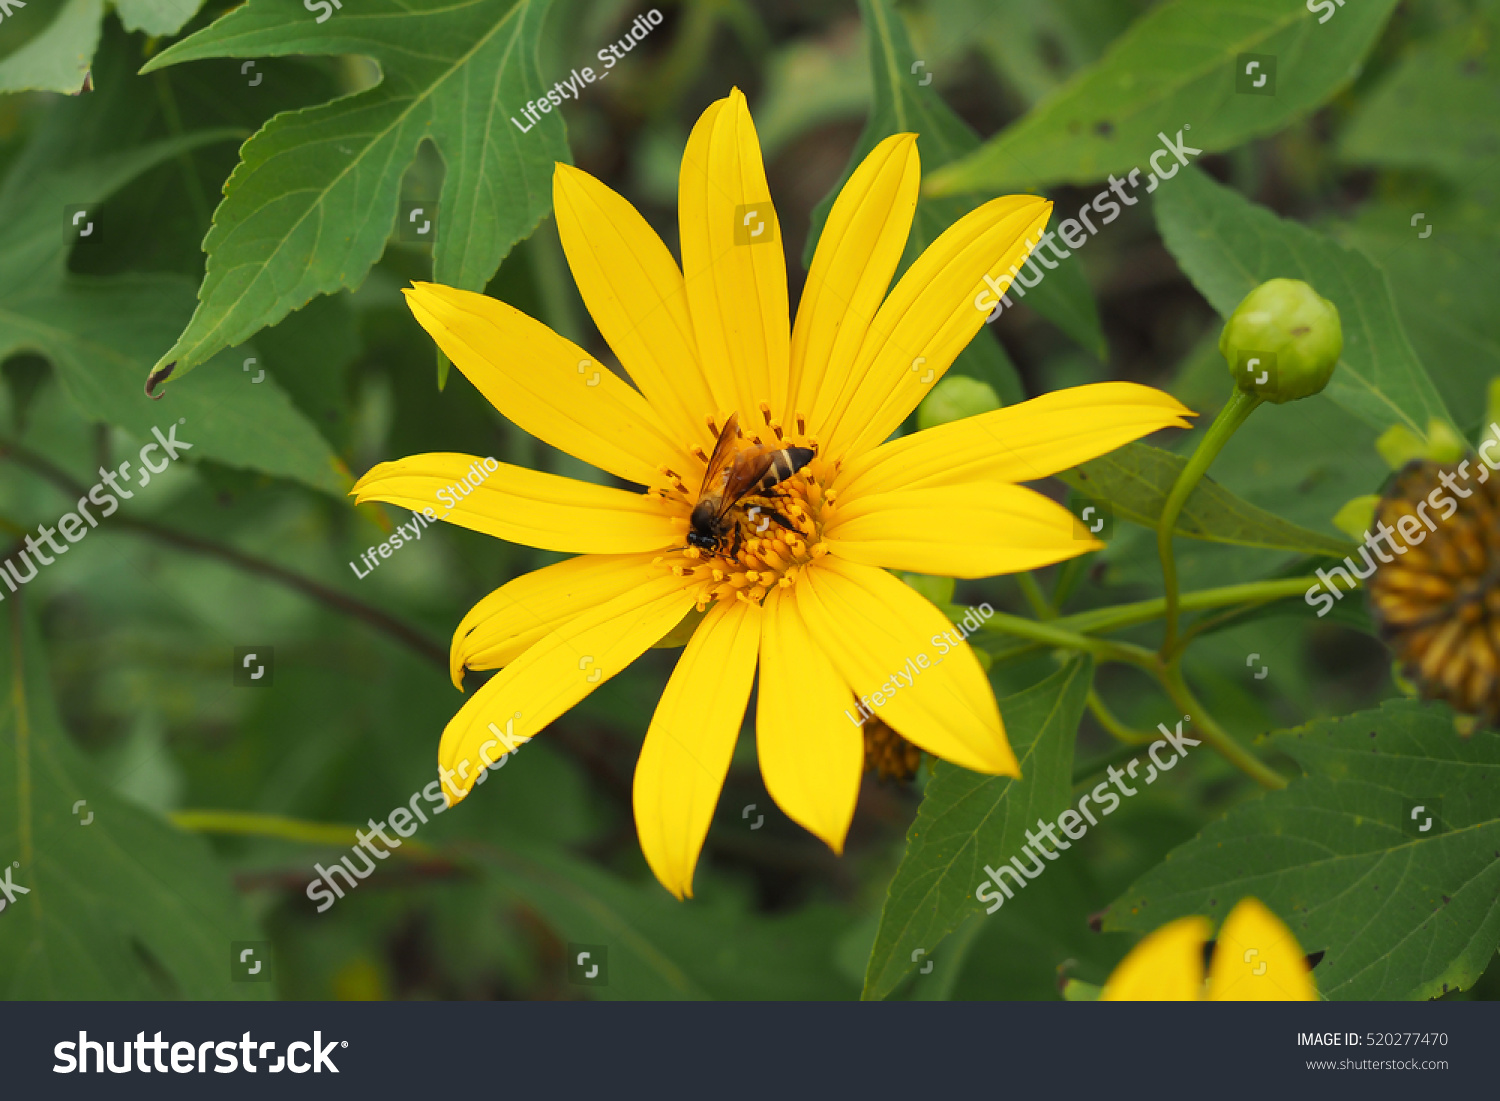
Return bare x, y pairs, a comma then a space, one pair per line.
1438, 603
774, 535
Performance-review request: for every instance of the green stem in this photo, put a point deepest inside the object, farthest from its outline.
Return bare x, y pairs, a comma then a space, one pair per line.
1057, 635
1034, 596
1112, 723
1068, 576
1119, 616
191, 184
250, 824
1240, 405
339, 601
1102, 649
1215, 735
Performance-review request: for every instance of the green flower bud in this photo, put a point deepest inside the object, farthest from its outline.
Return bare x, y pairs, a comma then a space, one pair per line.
955, 398
1283, 341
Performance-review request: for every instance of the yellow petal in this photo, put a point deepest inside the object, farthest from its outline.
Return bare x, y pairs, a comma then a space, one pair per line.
957, 531
555, 674
519, 613
1019, 443
548, 386
691, 739
1256, 959
634, 292
811, 752
927, 320
523, 506
1166, 966
884, 638
734, 268
857, 254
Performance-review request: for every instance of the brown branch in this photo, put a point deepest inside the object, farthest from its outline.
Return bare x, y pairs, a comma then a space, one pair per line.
422, 644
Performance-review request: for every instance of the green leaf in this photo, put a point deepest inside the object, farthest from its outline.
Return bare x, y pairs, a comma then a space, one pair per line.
58, 59
122, 907
967, 819
1337, 855
1137, 479
807, 85
1033, 47
1438, 111
315, 197
1175, 67
1442, 284
100, 332
1228, 245
659, 949
903, 104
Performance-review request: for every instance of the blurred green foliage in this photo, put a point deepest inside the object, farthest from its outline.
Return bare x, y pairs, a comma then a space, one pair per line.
286, 147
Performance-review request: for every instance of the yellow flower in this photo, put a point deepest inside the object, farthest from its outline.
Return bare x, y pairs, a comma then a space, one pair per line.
1255, 959
804, 596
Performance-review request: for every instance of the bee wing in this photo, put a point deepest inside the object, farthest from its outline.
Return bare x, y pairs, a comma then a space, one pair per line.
746, 473
722, 451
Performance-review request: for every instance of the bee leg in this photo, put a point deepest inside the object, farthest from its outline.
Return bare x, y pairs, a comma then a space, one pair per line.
780, 519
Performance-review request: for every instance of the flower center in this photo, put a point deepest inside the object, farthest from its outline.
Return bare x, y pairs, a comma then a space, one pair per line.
743, 547
1437, 599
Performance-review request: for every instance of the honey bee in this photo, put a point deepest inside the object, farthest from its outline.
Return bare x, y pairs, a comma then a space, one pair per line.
727, 481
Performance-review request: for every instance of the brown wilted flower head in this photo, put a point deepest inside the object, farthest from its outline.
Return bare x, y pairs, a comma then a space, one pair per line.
1437, 602
888, 754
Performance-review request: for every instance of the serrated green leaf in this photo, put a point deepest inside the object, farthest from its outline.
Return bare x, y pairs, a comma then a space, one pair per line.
903, 104
1228, 245
314, 199
967, 819
1175, 67
122, 907
1137, 479
100, 333
58, 59
1401, 914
